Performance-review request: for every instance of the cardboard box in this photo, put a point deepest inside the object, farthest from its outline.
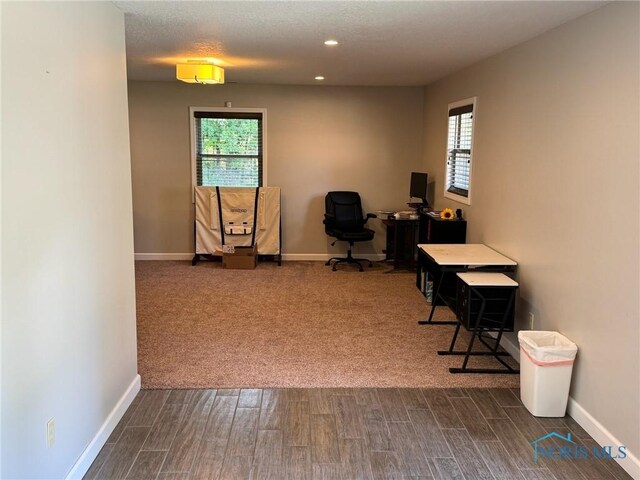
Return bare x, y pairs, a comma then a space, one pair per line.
242, 258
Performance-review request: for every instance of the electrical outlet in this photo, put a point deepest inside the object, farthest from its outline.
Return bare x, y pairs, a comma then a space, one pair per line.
531, 318
51, 432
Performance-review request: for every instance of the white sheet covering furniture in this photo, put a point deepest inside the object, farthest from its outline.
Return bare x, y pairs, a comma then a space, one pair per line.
242, 208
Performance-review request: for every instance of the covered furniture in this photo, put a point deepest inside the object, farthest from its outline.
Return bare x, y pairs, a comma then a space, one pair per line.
238, 216
344, 221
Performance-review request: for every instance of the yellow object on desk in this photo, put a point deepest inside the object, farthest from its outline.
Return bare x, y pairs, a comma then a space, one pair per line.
446, 214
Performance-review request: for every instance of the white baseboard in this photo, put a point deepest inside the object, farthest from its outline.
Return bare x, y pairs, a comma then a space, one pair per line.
91, 452
602, 436
510, 347
285, 256
163, 256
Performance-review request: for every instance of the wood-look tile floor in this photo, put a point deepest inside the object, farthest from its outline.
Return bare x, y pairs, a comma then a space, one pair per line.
284, 434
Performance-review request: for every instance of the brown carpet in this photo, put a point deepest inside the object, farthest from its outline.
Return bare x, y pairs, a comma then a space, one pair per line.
299, 325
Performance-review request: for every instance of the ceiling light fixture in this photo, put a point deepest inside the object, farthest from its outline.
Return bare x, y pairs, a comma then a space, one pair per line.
200, 72
319, 77
331, 43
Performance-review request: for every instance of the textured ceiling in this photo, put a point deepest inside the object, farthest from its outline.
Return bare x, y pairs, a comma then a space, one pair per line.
381, 43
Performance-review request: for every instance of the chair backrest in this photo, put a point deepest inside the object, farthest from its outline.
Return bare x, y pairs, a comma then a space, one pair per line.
346, 208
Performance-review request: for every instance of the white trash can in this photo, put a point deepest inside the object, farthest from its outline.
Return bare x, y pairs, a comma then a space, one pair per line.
546, 363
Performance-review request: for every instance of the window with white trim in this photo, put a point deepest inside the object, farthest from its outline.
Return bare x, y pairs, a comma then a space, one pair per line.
459, 151
227, 147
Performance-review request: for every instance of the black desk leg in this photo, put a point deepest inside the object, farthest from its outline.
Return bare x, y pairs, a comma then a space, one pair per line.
434, 300
483, 304
455, 337
493, 349
469, 351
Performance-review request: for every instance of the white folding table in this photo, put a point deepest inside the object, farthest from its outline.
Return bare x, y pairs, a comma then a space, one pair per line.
484, 268
486, 304
442, 261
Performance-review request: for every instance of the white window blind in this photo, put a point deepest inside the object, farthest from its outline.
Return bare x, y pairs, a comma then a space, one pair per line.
459, 145
228, 149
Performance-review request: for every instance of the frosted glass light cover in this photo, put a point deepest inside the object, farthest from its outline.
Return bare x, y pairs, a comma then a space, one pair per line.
206, 73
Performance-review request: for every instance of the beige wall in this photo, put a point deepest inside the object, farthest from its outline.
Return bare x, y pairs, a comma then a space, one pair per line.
318, 139
68, 303
555, 186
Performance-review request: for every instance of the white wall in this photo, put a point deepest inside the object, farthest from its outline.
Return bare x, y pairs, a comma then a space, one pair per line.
0, 251
319, 138
555, 186
68, 311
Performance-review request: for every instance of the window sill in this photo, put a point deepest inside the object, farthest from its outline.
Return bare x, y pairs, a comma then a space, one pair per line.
458, 198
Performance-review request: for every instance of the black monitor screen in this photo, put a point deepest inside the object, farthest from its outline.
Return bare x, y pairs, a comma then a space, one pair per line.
418, 185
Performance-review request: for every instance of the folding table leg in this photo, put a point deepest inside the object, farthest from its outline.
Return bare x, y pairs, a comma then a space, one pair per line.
434, 299
477, 331
455, 337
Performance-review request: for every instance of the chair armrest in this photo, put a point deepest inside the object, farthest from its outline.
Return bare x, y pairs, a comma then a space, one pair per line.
370, 215
328, 218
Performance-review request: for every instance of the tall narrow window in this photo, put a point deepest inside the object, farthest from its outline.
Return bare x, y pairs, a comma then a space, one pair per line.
459, 151
228, 150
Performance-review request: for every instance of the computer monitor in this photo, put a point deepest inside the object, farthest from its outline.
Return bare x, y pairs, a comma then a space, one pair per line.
419, 186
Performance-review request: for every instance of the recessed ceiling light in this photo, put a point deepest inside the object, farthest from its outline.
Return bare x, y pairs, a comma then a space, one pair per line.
319, 77
331, 43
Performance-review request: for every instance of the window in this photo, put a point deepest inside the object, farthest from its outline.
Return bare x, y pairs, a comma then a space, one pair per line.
459, 151
227, 147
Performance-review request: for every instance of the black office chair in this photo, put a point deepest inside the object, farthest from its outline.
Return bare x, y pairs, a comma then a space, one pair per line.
343, 220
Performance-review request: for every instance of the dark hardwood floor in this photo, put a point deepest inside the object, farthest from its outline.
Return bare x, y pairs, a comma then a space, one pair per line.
283, 434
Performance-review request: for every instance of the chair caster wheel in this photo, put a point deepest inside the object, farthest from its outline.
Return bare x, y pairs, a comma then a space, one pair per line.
334, 268
328, 263
361, 269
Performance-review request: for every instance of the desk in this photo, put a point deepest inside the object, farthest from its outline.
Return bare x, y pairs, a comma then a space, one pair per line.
403, 236
434, 229
402, 241
486, 303
441, 262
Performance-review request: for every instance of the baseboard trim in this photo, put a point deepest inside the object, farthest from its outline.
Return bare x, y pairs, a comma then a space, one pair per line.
90, 453
308, 257
510, 347
602, 436
593, 427
163, 256
285, 256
